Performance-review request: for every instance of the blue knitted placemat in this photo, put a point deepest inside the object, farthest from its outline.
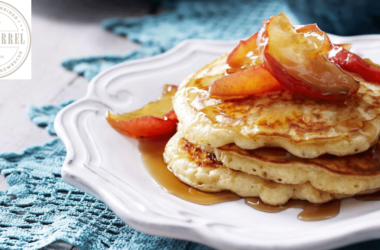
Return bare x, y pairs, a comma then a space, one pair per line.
45, 115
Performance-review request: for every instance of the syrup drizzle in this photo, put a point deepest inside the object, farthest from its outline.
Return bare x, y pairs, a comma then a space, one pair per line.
368, 197
151, 154
311, 212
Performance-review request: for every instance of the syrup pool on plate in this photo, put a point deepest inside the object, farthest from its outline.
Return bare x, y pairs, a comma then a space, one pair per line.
152, 157
310, 212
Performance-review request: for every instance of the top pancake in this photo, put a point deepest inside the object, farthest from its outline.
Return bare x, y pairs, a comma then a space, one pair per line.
304, 126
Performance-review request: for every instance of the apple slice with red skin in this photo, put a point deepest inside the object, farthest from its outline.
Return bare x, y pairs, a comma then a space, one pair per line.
252, 81
298, 65
244, 55
143, 127
317, 36
238, 56
364, 68
171, 115
154, 120
320, 38
257, 80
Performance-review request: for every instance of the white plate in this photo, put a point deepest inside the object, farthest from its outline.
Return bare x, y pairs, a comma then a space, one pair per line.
107, 164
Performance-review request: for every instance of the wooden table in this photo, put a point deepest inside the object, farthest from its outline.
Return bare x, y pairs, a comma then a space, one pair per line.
61, 29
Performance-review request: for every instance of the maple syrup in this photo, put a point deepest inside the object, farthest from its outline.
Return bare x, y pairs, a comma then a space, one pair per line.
368, 197
311, 212
152, 157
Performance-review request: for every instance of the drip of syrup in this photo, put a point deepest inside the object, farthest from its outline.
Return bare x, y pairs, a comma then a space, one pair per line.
151, 154
311, 212
368, 197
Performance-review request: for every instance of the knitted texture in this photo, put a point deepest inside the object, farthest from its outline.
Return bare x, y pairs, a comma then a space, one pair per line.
40, 208
186, 19
44, 116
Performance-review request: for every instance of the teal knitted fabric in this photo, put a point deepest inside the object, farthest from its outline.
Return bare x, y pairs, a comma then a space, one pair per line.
185, 19
40, 208
44, 116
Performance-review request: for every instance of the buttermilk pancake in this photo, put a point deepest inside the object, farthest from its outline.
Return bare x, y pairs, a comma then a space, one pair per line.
349, 175
200, 169
304, 126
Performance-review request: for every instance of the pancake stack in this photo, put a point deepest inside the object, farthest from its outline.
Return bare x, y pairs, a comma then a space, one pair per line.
276, 146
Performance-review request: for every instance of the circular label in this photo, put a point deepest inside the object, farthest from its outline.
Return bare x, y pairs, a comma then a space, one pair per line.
15, 39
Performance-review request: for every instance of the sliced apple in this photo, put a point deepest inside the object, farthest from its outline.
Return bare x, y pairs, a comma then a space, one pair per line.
153, 120
298, 65
143, 127
245, 54
317, 36
252, 81
364, 68
171, 115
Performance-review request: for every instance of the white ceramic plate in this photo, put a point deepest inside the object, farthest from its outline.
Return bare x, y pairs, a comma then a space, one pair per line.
107, 164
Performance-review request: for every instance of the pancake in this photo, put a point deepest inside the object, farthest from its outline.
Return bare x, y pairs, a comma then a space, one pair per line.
348, 175
201, 170
304, 126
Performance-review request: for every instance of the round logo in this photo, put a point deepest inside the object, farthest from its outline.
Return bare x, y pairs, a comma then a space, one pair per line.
15, 39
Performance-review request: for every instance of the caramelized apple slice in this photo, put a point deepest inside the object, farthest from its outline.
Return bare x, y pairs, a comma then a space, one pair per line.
143, 127
244, 55
364, 68
158, 108
298, 65
171, 115
153, 120
317, 36
252, 81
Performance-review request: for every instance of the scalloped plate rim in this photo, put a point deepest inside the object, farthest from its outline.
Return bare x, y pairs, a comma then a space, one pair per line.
110, 194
